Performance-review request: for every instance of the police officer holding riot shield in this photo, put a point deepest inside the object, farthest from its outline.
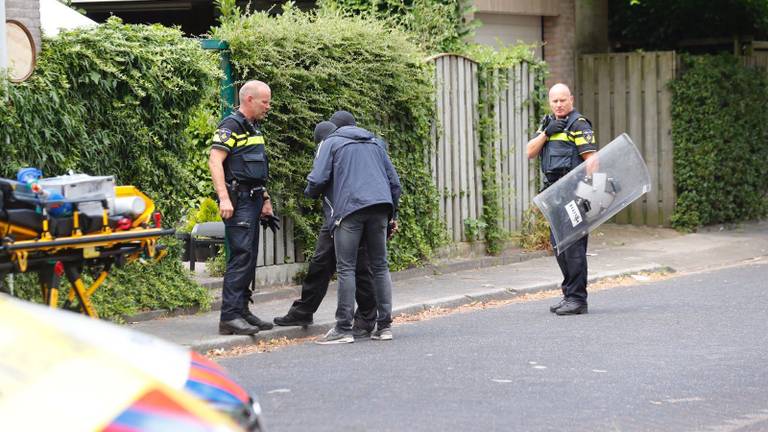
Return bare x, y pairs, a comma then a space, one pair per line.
239, 169
563, 140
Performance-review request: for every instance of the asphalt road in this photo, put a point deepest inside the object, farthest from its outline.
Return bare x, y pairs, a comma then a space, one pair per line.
684, 354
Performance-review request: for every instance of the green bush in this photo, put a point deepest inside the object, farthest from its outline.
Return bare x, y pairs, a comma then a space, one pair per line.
136, 287
319, 62
435, 25
207, 211
719, 132
118, 100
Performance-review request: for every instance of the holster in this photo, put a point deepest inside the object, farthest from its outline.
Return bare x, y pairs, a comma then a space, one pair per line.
233, 194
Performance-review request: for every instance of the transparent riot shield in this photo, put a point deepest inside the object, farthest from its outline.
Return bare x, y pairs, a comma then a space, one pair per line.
594, 191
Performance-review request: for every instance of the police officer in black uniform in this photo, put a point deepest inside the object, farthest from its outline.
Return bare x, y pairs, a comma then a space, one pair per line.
563, 140
239, 168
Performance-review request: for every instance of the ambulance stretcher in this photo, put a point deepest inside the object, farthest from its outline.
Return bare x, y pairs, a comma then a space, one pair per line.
100, 230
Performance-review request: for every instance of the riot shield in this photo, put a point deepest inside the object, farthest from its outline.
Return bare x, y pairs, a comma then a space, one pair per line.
594, 191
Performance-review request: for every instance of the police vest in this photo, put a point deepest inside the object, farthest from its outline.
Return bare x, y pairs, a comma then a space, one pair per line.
247, 160
560, 153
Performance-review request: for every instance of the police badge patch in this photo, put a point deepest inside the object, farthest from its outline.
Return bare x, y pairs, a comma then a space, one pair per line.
589, 136
223, 135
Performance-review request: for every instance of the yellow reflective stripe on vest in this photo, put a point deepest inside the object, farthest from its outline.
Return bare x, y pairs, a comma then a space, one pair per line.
562, 136
580, 141
249, 141
258, 139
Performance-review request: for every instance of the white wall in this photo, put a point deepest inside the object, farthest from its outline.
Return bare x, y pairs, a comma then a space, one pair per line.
509, 29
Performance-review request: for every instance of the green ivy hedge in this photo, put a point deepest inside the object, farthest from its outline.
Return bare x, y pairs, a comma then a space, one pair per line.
112, 100
117, 100
319, 62
720, 134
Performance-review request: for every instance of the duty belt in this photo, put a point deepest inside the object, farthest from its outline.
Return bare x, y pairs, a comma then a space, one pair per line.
247, 187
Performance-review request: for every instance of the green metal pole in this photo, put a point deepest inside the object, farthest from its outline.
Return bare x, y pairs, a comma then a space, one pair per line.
227, 85
227, 90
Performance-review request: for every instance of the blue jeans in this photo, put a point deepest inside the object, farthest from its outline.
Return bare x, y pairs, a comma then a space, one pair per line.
368, 224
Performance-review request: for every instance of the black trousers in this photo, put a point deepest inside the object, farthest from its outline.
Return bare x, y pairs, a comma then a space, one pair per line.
573, 266
242, 236
321, 268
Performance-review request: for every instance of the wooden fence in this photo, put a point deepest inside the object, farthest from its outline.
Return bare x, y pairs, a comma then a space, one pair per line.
455, 159
629, 93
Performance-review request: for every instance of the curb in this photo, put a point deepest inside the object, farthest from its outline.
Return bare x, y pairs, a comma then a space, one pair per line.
268, 293
320, 328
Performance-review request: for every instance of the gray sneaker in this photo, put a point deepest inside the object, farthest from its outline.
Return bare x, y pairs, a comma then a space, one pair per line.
382, 334
335, 336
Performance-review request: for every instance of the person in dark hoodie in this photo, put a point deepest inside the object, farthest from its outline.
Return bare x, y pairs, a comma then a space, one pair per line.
362, 190
322, 266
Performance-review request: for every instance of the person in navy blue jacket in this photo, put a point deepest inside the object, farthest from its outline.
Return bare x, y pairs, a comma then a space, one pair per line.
362, 190
322, 265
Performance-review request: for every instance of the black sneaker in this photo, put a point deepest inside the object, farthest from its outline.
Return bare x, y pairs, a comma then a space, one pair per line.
572, 308
361, 333
256, 321
335, 336
557, 306
292, 320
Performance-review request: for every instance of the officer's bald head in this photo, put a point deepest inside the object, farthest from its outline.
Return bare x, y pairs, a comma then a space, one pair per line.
253, 88
255, 97
560, 100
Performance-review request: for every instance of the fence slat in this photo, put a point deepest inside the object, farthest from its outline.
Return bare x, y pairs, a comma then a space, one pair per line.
619, 112
667, 69
446, 148
455, 156
636, 124
516, 175
439, 143
506, 120
290, 246
478, 169
651, 145
469, 162
463, 147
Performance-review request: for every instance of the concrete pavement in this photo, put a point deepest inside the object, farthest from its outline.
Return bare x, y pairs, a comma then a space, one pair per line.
613, 250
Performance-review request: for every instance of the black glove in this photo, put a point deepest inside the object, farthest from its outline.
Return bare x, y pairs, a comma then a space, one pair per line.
554, 127
272, 222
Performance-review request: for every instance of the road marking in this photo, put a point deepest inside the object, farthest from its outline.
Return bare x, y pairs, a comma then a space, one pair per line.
281, 390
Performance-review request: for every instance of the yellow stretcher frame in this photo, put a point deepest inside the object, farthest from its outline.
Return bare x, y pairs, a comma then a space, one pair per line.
41, 252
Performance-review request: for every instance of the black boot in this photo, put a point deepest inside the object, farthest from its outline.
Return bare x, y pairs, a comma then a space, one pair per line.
293, 320
572, 308
256, 321
237, 326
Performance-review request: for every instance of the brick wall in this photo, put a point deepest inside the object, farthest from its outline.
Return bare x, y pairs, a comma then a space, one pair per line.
560, 44
27, 12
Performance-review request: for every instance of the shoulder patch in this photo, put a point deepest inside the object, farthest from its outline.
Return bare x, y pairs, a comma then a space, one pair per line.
223, 134
589, 136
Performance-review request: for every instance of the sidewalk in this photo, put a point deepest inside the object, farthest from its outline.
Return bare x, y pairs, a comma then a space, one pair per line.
613, 250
